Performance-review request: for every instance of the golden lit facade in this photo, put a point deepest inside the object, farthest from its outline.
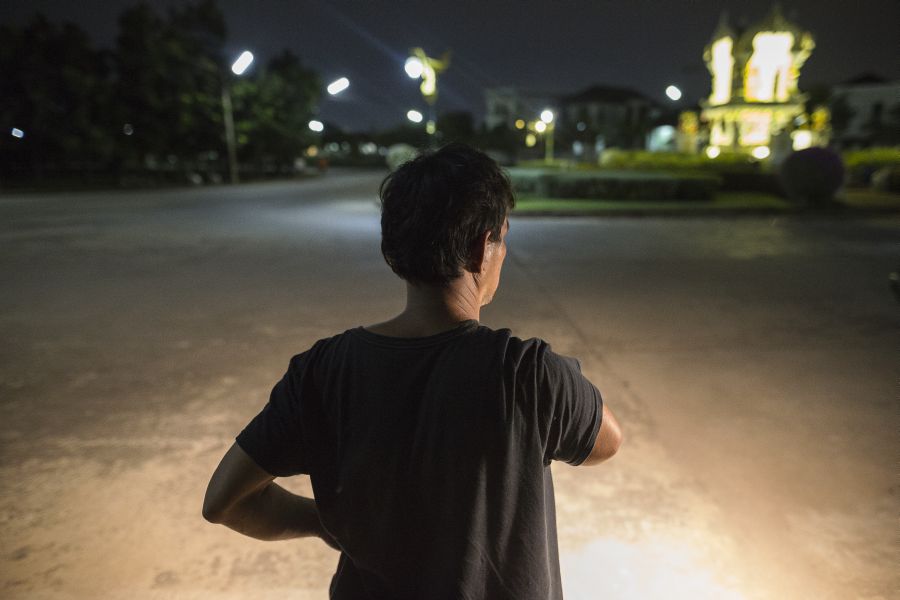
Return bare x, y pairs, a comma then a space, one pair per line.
754, 95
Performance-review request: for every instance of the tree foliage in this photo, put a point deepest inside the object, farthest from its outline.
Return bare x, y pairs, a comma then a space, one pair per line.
168, 81
272, 109
152, 102
55, 90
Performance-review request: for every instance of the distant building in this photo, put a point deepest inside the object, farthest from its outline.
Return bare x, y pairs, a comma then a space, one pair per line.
865, 111
755, 101
506, 105
602, 117
585, 123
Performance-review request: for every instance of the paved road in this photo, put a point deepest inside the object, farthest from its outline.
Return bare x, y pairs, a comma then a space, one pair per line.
752, 364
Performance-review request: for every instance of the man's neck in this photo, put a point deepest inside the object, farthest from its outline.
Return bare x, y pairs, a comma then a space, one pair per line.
430, 310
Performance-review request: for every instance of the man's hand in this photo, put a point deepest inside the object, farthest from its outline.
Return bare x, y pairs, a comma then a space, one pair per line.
243, 497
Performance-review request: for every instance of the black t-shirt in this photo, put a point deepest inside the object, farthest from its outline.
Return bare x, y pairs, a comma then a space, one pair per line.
430, 458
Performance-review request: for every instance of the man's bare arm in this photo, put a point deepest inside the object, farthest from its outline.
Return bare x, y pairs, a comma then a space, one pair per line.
244, 497
609, 438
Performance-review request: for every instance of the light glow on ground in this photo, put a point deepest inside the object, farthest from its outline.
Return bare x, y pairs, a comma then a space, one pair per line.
614, 569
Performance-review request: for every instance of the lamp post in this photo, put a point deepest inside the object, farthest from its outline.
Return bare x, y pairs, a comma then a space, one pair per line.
337, 86
420, 65
545, 126
238, 68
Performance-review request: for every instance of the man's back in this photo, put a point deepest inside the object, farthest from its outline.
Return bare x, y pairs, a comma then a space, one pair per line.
429, 457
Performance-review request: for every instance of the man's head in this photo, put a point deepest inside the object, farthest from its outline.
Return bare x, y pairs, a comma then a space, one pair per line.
445, 212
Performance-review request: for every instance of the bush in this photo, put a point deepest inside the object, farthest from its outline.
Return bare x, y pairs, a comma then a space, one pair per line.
399, 154
887, 179
675, 161
614, 185
812, 176
862, 164
735, 172
750, 181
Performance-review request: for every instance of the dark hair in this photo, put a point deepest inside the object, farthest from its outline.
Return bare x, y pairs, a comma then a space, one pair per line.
436, 206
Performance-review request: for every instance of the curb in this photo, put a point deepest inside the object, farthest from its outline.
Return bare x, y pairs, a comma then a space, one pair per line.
752, 212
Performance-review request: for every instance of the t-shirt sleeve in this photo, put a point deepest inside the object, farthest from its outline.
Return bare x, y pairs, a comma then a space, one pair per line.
273, 438
570, 407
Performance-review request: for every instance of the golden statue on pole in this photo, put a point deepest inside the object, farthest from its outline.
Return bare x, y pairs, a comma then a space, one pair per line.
420, 65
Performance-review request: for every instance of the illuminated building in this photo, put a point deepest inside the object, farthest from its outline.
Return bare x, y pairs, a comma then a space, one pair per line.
754, 100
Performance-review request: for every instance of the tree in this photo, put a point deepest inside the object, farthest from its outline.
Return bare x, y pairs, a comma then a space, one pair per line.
168, 80
273, 107
55, 90
458, 126
841, 116
145, 98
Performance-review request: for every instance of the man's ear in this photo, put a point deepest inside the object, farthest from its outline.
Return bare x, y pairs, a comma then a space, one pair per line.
478, 253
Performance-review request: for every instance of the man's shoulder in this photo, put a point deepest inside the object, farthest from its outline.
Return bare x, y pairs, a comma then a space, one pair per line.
511, 348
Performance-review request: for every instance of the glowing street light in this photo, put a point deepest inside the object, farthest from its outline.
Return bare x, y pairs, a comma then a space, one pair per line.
673, 93
414, 116
338, 86
316, 126
545, 127
17, 133
413, 67
238, 68
760, 152
243, 61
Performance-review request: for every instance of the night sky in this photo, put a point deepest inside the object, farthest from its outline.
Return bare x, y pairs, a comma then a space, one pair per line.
554, 46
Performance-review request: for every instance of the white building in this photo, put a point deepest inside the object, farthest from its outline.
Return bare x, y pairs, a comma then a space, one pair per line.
866, 111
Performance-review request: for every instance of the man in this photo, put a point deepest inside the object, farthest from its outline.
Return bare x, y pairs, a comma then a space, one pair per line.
428, 438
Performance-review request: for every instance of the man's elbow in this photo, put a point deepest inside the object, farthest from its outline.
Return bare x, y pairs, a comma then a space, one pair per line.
603, 454
609, 440
214, 509
614, 446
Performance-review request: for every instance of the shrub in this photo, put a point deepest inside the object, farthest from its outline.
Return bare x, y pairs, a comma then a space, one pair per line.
735, 172
399, 154
614, 185
862, 164
675, 161
887, 179
812, 176
750, 181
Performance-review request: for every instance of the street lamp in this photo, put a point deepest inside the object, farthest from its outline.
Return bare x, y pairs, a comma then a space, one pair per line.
338, 86
238, 68
414, 116
316, 126
243, 61
420, 65
545, 125
413, 67
673, 93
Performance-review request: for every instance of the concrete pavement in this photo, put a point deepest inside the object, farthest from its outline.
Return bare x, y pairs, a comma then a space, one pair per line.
751, 362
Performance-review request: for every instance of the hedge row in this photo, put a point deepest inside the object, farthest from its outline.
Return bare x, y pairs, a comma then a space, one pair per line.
862, 165
644, 160
617, 185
